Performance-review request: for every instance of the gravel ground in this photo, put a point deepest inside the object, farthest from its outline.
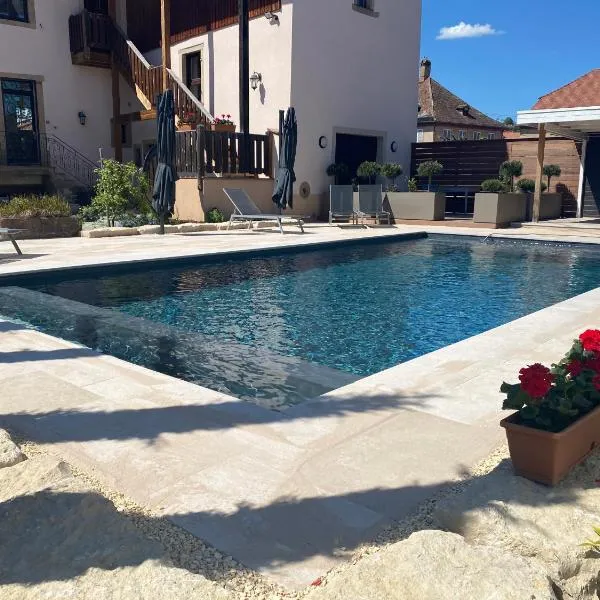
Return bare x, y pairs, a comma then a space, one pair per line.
190, 553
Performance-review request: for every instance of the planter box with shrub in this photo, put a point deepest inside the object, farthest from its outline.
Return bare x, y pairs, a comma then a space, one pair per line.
424, 206
499, 208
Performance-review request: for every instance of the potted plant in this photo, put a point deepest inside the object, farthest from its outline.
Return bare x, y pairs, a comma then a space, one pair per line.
339, 172
557, 423
429, 169
418, 205
187, 121
497, 204
509, 170
551, 171
368, 170
551, 204
223, 124
391, 171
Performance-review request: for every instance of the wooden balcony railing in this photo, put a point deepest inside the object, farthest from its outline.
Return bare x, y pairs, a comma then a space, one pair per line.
90, 32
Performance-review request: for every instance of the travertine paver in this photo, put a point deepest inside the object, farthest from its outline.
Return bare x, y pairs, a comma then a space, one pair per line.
289, 494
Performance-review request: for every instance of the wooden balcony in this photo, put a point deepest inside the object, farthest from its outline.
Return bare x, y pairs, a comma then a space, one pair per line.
90, 37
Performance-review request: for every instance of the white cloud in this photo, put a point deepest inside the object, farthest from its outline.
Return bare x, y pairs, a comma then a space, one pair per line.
466, 30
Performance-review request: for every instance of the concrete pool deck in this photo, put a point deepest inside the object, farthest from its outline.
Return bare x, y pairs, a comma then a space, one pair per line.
290, 494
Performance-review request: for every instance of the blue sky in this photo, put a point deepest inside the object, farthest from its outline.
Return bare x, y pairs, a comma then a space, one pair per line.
523, 48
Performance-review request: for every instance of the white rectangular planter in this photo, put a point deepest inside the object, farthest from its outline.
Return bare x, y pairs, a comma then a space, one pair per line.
422, 206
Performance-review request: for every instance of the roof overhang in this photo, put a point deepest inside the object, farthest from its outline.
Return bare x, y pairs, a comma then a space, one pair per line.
575, 123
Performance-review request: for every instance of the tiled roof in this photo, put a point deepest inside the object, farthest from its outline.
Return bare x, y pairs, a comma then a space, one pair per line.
584, 91
441, 105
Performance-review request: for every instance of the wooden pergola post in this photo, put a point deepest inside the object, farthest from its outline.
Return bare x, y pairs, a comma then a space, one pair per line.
116, 93
165, 38
539, 173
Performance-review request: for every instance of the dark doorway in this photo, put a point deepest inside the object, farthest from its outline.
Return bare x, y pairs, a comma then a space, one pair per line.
20, 122
352, 150
591, 191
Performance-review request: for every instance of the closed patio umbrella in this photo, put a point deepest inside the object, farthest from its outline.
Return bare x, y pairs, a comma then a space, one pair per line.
283, 195
163, 195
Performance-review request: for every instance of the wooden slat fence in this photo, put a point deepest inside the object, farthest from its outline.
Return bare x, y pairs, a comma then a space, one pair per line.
466, 164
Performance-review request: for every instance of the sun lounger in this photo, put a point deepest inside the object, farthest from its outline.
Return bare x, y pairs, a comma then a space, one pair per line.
246, 210
341, 203
9, 233
370, 203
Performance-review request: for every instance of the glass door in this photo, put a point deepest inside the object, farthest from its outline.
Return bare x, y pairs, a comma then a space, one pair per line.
20, 122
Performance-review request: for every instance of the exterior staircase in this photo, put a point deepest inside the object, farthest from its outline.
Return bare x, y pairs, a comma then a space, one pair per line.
97, 41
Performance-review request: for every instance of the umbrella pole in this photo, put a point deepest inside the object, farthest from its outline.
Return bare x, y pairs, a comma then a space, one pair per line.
162, 223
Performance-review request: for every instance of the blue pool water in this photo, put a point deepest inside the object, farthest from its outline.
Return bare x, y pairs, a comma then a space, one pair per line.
332, 314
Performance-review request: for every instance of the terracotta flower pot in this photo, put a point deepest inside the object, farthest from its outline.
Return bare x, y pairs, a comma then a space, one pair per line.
222, 127
547, 457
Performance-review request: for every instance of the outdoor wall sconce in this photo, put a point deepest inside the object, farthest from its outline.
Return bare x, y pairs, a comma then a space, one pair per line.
394, 147
323, 141
272, 18
255, 80
82, 117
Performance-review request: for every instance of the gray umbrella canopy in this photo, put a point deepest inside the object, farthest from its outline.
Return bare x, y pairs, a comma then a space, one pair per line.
163, 196
283, 195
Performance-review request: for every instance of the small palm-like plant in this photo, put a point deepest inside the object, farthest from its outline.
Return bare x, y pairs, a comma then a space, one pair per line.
369, 170
509, 170
593, 545
428, 169
551, 171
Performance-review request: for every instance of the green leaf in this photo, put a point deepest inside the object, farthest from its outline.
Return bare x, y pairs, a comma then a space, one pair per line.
529, 412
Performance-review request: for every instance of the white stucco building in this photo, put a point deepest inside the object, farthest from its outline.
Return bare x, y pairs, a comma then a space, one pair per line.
347, 66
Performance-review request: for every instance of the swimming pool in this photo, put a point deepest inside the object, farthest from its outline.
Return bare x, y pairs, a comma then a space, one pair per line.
278, 329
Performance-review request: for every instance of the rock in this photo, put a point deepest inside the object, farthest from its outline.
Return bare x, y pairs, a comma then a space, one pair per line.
436, 565
61, 539
532, 520
10, 454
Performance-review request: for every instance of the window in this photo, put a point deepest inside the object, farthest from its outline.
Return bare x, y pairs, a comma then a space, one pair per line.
462, 135
193, 73
419, 135
447, 135
14, 10
492, 135
477, 135
366, 7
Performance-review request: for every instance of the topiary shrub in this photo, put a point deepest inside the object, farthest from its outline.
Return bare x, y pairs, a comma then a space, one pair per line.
527, 186
35, 206
368, 170
214, 215
509, 170
494, 186
428, 169
339, 171
391, 171
551, 171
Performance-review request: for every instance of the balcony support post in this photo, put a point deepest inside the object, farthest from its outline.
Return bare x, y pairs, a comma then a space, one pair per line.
116, 92
165, 31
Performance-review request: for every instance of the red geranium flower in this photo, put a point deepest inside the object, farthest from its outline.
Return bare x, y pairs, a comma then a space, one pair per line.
575, 367
536, 380
593, 364
590, 340
596, 382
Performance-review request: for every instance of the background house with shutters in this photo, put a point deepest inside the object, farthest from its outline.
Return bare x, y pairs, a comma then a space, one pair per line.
443, 116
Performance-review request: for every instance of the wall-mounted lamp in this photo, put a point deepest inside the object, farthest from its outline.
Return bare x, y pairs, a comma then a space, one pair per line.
272, 18
255, 80
82, 117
